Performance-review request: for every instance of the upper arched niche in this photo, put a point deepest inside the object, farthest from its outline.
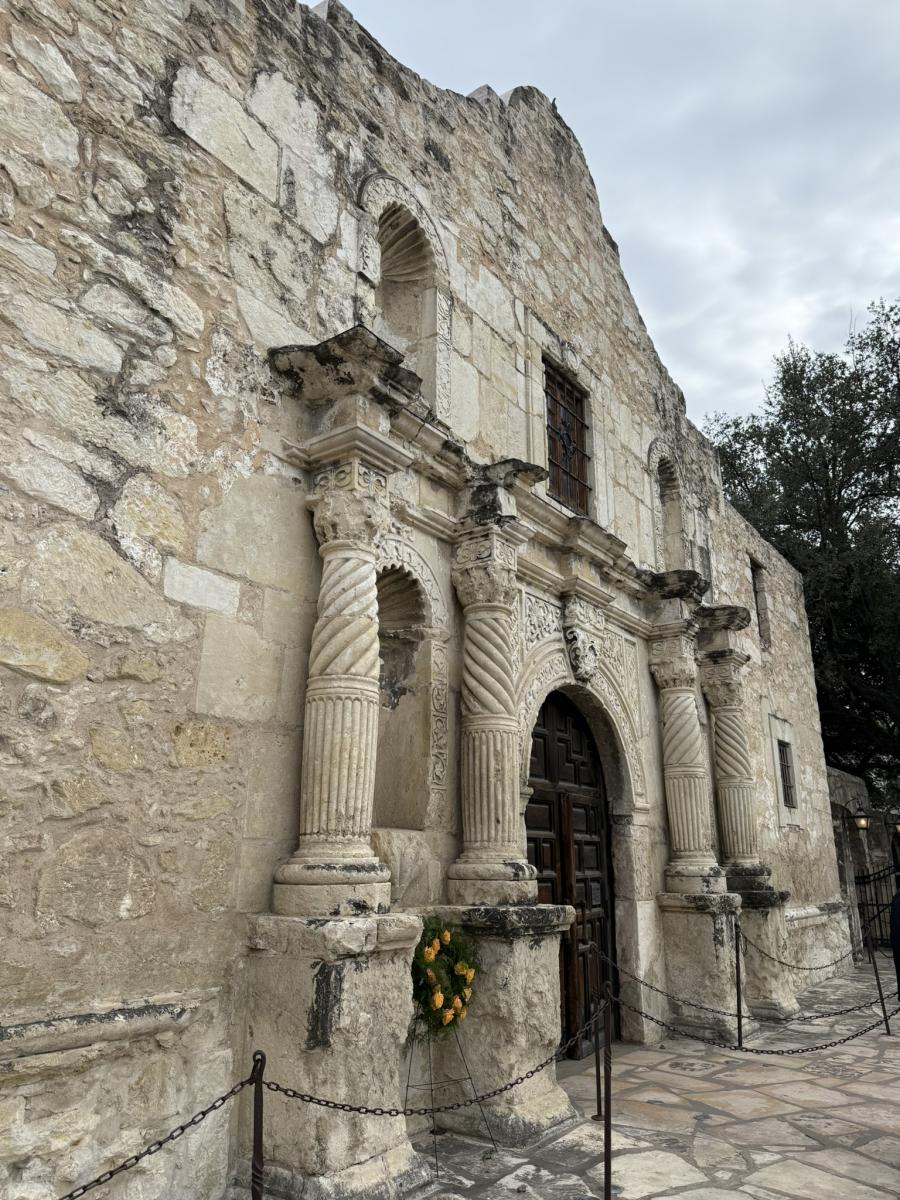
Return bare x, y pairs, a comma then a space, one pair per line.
403, 283
668, 512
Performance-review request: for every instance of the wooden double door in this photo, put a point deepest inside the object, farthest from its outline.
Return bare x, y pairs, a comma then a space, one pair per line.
568, 834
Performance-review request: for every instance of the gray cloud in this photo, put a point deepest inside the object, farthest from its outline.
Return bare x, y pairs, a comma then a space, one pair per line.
747, 157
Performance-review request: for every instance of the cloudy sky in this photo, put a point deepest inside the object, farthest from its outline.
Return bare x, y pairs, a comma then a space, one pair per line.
746, 154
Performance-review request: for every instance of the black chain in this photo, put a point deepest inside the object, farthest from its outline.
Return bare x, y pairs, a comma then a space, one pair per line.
725, 1012
779, 1053
364, 1110
795, 966
154, 1147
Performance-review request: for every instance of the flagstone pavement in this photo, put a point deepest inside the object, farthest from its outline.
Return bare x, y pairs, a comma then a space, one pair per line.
698, 1123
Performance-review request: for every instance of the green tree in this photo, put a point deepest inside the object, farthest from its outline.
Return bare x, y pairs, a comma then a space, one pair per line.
818, 473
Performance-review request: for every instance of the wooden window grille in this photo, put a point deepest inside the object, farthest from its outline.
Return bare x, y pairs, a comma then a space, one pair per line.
566, 440
786, 767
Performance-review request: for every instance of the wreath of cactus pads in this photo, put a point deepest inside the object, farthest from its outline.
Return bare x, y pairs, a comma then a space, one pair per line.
444, 969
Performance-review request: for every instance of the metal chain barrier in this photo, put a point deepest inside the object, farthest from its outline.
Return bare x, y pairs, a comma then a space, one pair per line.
795, 966
725, 1012
132, 1161
777, 1053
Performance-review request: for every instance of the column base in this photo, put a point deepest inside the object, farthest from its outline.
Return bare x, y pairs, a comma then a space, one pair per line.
695, 878
698, 939
330, 1003
479, 883
344, 887
513, 1024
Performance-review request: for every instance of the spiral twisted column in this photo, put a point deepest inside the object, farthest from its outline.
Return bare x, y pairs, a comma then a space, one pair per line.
693, 865
334, 868
722, 686
491, 869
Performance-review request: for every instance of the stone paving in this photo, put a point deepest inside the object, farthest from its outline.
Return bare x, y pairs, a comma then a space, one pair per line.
698, 1123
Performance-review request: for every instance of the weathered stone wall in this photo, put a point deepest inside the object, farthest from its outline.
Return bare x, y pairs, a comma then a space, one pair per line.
183, 187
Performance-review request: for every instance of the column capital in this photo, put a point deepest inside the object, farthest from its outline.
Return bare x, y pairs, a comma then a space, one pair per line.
349, 503
673, 660
721, 677
484, 566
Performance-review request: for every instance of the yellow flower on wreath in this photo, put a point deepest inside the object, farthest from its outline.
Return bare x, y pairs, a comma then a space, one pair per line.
462, 1014
457, 1003
445, 937
436, 945
437, 999
467, 992
428, 954
447, 1015
430, 975
470, 974
462, 968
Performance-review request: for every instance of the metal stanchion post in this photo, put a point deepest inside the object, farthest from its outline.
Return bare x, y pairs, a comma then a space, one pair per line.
737, 982
257, 1167
595, 1013
887, 1027
607, 1099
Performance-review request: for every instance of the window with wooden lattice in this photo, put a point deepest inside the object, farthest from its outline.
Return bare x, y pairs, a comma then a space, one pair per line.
786, 768
567, 454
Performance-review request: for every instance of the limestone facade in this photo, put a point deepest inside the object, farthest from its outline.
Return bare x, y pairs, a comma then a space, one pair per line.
283, 590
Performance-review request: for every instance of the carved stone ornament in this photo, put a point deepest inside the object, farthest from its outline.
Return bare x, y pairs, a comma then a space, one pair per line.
583, 654
484, 569
722, 682
350, 504
673, 663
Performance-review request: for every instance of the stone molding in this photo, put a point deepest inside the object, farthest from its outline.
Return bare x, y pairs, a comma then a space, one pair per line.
484, 568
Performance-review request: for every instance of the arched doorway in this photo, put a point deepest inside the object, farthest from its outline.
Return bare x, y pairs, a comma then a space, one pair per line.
569, 843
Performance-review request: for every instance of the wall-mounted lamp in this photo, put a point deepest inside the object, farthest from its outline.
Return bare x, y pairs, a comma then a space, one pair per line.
861, 818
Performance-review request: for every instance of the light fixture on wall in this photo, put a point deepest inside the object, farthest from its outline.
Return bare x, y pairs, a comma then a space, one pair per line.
861, 818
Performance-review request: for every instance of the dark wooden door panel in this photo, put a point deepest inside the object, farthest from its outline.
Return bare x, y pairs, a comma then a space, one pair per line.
568, 838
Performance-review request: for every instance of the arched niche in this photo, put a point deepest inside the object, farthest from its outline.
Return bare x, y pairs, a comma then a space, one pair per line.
411, 766
403, 290
668, 509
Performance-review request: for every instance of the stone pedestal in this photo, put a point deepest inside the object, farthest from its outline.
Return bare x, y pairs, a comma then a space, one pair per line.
491, 868
330, 1002
767, 986
513, 1024
698, 936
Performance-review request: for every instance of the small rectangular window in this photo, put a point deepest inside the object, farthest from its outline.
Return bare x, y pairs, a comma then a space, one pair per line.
786, 767
566, 440
761, 603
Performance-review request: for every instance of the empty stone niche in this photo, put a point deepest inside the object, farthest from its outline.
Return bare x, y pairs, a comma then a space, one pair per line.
406, 296
404, 723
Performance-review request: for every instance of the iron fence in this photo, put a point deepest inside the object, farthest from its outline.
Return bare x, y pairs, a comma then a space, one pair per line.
874, 893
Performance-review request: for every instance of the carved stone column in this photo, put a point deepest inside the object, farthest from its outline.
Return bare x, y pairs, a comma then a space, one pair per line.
490, 869
334, 869
738, 820
692, 866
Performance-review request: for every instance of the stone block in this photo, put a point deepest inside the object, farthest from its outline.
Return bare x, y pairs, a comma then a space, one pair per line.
262, 531
56, 332
115, 748
308, 197
145, 510
192, 585
201, 744
73, 795
53, 69
239, 672
34, 123
25, 252
288, 115
464, 397
75, 571
34, 647
218, 123
96, 877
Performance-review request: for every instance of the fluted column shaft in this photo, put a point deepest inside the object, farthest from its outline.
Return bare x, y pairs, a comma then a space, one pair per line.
490, 868
334, 867
685, 766
721, 678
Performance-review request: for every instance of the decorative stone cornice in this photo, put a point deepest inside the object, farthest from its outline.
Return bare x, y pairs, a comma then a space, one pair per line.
354, 363
484, 567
